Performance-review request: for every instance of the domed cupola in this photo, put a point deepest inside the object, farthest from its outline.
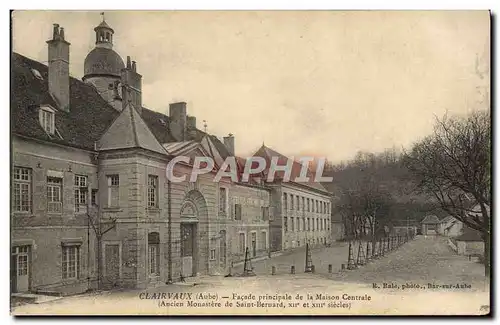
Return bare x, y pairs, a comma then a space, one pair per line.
103, 66
103, 60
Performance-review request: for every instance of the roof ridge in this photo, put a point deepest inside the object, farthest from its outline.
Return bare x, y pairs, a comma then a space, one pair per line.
134, 128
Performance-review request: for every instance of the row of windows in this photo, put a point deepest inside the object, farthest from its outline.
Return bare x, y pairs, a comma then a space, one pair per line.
295, 202
313, 241
70, 261
264, 212
254, 245
22, 192
307, 224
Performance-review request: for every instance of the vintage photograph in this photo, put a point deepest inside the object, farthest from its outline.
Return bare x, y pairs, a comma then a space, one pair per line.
250, 162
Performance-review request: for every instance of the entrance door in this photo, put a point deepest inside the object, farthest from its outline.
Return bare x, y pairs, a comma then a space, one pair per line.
21, 259
254, 244
112, 263
187, 248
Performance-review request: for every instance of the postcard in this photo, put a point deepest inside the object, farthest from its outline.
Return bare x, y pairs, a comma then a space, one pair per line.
250, 163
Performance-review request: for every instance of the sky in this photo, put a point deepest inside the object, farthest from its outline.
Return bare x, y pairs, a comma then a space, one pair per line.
321, 83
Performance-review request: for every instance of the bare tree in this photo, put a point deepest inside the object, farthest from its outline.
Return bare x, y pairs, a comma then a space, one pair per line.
453, 166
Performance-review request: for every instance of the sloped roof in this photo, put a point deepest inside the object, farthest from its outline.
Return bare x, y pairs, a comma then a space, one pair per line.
103, 24
430, 219
469, 234
268, 153
88, 118
448, 219
129, 131
179, 148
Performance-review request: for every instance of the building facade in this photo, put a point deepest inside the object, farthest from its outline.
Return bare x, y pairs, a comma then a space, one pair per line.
92, 206
302, 210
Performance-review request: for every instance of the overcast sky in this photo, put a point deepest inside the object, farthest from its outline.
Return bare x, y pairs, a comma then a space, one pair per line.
311, 82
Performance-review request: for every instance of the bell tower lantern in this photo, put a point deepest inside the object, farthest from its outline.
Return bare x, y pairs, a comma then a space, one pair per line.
104, 34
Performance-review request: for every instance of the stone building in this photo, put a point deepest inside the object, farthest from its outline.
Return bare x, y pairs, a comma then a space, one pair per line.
91, 203
92, 206
301, 210
430, 225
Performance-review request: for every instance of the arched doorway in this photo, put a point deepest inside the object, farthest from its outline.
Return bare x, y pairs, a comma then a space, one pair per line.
193, 232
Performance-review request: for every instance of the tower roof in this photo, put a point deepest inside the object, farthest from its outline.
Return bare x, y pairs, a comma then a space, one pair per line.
103, 61
129, 131
103, 24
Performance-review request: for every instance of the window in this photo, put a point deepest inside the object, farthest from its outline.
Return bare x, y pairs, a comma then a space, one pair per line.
313, 227
212, 254
292, 223
222, 201
298, 243
285, 224
292, 202
285, 203
153, 260
298, 203
237, 212
308, 209
22, 189
54, 200
317, 206
254, 243
113, 190
152, 191
303, 204
70, 262
317, 224
47, 120
308, 224
265, 213
303, 223
242, 243
154, 253
37, 74
94, 197
263, 239
81, 192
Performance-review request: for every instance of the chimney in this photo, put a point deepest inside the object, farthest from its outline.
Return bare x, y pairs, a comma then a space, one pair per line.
132, 81
59, 68
177, 122
229, 143
191, 122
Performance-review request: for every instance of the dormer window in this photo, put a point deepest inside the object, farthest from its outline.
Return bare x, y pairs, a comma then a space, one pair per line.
37, 74
47, 119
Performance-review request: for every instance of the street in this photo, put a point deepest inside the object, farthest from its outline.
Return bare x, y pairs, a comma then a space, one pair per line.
424, 262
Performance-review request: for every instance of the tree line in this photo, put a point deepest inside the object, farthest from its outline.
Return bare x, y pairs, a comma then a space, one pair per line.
447, 173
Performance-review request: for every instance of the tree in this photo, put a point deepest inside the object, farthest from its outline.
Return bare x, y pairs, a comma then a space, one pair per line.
453, 165
364, 200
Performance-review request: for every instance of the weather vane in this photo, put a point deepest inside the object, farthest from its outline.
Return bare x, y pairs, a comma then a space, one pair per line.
102, 14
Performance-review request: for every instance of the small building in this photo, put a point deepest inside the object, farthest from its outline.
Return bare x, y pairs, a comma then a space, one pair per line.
430, 225
470, 242
450, 227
